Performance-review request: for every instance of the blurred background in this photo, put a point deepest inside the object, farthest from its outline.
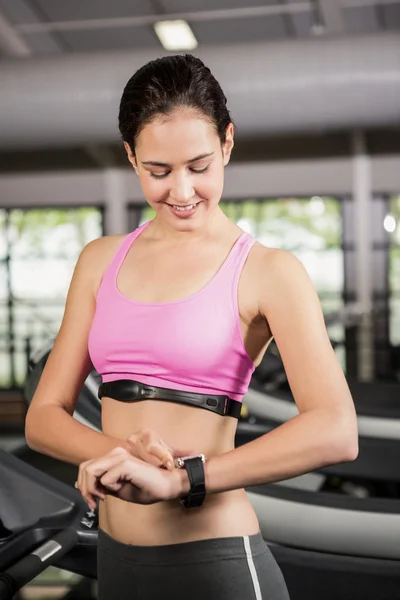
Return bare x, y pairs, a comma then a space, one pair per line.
314, 90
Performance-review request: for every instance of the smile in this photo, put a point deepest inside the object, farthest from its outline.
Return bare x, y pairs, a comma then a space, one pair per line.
184, 211
189, 207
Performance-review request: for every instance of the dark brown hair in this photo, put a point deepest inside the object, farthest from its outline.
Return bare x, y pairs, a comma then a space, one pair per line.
165, 84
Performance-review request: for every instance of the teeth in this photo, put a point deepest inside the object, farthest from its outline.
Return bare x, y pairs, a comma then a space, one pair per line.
184, 208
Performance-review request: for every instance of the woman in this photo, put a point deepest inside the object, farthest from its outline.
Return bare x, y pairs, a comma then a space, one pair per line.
175, 316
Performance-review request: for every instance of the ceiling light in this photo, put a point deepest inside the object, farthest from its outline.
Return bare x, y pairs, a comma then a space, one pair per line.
175, 35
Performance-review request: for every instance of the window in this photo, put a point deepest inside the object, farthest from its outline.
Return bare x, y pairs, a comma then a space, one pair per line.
38, 251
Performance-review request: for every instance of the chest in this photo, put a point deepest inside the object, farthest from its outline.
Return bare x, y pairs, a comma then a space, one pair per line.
168, 276
154, 277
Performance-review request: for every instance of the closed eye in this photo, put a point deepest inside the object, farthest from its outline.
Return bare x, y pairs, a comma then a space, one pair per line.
164, 175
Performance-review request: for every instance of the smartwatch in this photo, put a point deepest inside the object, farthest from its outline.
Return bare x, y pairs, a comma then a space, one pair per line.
194, 466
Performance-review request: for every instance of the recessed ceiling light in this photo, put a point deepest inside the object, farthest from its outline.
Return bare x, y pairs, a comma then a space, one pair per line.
175, 35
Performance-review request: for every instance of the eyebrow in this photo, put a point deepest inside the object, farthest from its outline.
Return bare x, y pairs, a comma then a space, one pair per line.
161, 164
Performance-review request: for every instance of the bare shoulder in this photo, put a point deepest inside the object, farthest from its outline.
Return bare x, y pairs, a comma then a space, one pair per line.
96, 257
101, 249
280, 273
274, 259
269, 268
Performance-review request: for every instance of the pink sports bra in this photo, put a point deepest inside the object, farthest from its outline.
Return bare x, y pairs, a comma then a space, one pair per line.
194, 344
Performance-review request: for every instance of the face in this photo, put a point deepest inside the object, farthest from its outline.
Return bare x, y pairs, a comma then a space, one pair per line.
180, 163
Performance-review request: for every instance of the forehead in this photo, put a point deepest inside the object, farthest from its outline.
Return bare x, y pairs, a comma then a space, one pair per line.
176, 137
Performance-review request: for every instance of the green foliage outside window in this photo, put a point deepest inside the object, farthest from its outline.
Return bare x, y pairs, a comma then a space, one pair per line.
43, 246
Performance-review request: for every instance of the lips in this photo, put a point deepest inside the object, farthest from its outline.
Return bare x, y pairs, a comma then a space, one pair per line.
183, 214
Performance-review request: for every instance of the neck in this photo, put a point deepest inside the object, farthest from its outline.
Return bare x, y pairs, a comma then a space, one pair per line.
188, 232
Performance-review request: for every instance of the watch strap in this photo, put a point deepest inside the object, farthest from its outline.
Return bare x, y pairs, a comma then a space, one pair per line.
195, 470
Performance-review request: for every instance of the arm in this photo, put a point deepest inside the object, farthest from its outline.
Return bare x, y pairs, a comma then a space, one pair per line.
325, 430
50, 427
54, 431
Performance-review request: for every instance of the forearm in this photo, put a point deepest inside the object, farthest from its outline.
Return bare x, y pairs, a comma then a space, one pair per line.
51, 430
304, 443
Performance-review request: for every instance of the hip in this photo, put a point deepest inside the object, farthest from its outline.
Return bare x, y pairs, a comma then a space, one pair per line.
230, 568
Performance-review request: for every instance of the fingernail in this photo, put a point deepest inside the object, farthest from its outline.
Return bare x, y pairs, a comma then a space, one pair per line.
169, 464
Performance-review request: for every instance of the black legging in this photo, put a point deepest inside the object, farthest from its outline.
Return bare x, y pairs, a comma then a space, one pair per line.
233, 568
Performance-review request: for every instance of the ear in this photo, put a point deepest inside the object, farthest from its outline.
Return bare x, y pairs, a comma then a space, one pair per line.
131, 156
229, 143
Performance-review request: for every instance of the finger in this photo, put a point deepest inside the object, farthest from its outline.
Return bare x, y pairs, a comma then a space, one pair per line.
151, 449
89, 498
128, 474
132, 441
139, 450
143, 451
91, 487
143, 436
117, 476
115, 486
86, 482
162, 453
83, 482
80, 483
82, 466
90, 490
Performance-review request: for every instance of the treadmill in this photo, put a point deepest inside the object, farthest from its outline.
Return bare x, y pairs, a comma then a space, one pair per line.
45, 522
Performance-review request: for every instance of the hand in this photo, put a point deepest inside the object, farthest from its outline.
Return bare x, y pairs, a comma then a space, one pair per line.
120, 474
149, 447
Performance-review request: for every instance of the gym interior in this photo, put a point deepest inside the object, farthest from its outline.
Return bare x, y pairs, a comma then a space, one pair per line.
314, 90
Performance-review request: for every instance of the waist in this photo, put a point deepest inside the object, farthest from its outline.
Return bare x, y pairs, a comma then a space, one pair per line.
208, 549
222, 515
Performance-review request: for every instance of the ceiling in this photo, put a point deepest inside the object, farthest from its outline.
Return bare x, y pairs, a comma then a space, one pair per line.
48, 27
38, 28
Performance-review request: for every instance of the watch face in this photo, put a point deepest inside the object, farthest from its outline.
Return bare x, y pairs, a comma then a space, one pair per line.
180, 461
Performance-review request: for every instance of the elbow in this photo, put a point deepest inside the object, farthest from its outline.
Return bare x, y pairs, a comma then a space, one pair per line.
350, 452
345, 444
350, 447
341, 451
31, 430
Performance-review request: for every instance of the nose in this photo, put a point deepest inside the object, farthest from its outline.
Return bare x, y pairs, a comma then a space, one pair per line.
182, 189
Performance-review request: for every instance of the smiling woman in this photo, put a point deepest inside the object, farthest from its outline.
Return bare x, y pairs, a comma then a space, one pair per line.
175, 316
